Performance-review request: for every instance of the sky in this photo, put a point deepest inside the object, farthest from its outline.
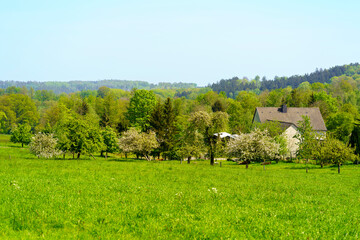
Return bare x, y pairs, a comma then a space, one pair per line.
198, 41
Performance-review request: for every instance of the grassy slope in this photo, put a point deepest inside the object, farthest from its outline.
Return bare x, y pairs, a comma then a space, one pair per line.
136, 199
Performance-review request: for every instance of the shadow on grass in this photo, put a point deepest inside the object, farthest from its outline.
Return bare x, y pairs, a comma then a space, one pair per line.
11, 146
304, 167
126, 160
68, 158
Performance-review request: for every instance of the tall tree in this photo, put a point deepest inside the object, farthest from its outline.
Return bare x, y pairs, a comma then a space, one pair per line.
162, 122
209, 124
354, 140
19, 109
78, 136
107, 109
110, 141
307, 137
141, 106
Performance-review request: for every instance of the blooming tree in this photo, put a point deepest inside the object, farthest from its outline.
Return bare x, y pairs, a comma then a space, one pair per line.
140, 142
254, 146
44, 145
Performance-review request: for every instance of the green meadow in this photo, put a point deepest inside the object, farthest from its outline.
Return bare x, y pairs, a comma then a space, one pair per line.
119, 198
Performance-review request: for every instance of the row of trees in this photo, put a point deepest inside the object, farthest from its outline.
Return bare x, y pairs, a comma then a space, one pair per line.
259, 145
183, 127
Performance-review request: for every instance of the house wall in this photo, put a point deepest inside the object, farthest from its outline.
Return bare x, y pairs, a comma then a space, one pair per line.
292, 142
256, 117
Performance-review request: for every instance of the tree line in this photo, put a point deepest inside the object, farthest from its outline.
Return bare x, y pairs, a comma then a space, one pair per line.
74, 86
155, 125
234, 85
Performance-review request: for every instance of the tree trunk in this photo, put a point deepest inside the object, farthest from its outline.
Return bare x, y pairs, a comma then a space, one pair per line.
322, 165
106, 155
212, 159
73, 155
306, 166
126, 155
264, 164
102, 153
339, 168
78, 155
247, 165
189, 159
22, 145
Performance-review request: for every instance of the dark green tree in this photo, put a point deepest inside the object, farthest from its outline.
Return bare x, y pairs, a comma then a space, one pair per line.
354, 140
162, 122
218, 106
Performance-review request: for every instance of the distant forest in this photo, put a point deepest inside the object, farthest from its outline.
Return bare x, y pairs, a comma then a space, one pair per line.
234, 85
231, 87
75, 86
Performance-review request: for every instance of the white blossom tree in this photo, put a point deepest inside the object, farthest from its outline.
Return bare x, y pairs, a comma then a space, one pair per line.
134, 141
44, 145
254, 146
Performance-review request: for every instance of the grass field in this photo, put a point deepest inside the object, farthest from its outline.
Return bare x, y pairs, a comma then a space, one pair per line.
136, 199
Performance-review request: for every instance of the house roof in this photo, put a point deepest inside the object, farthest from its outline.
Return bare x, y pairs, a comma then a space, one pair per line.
292, 116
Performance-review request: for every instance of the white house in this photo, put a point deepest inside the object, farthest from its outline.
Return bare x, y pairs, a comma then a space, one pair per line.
289, 117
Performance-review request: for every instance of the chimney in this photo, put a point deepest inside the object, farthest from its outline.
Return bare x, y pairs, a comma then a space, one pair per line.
284, 108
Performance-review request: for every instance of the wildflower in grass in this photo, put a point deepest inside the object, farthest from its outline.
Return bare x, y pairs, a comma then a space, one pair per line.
179, 194
14, 184
213, 190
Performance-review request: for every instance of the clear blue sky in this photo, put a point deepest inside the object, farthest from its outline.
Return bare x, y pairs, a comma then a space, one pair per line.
190, 41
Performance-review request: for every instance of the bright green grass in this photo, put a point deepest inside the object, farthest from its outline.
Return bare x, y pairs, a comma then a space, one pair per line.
135, 199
